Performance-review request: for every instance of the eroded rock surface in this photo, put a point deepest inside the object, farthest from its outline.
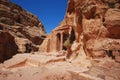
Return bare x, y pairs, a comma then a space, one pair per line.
8, 47
95, 24
95, 37
25, 28
52, 67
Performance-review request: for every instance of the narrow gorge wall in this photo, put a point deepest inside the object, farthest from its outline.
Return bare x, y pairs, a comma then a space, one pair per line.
22, 31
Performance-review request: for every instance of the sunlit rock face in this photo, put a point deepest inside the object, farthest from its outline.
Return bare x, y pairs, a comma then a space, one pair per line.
93, 21
96, 44
25, 28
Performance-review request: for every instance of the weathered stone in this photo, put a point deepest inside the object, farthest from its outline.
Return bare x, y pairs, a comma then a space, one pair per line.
117, 58
116, 53
94, 29
14, 15
23, 26
89, 11
112, 22
102, 46
96, 22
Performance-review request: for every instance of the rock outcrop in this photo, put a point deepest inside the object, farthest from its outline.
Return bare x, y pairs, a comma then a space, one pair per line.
25, 28
8, 47
112, 23
51, 67
96, 25
95, 43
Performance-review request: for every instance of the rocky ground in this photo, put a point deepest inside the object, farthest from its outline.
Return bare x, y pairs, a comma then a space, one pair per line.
55, 67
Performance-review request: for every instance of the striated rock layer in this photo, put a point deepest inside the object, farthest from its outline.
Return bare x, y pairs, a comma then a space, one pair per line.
21, 27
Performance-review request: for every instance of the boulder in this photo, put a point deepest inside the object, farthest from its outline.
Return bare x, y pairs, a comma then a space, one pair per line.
112, 23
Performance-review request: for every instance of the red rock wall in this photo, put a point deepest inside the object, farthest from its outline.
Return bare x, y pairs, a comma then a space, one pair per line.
25, 28
8, 47
98, 21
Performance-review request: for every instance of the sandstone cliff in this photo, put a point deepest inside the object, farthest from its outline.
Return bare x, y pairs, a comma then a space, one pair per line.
19, 26
96, 25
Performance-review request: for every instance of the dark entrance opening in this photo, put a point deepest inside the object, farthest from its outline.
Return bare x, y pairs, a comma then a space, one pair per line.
109, 53
1, 28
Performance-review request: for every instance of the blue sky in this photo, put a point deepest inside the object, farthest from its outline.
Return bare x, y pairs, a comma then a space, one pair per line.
49, 12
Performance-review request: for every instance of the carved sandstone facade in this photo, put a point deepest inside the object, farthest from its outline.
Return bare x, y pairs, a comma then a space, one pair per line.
55, 41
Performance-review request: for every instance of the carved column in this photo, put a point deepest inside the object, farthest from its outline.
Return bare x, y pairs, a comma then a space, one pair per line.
61, 40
